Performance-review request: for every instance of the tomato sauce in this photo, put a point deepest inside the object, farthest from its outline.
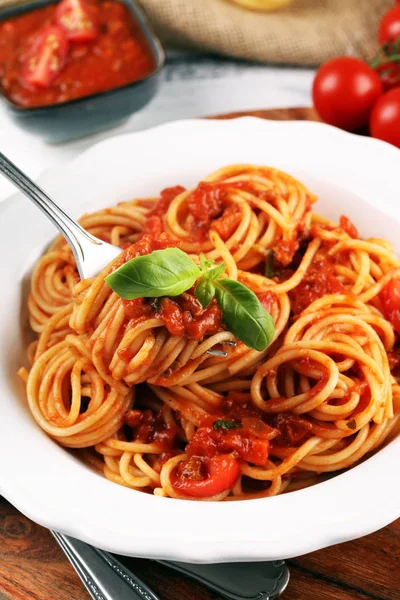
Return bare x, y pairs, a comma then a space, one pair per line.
154, 222
228, 222
113, 53
166, 197
348, 227
293, 429
284, 251
209, 441
319, 280
183, 314
180, 315
390, 297
238, 428
149, 427
192, 320
147, 244
267, 299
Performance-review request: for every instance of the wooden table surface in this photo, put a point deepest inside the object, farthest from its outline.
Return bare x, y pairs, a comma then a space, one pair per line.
32, 567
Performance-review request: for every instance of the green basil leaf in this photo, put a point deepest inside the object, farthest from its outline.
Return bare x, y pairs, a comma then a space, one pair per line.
204, 292
226, 424
244, 314
269, 270
215, 272
205, 263
168, 272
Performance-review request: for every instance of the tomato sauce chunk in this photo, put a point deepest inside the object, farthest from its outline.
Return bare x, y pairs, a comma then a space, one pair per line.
293, 430
227, 224
182, 317
149, 427
248, 439
319, 280
147, 244
348, 227
166, 197
390, 296
267, 299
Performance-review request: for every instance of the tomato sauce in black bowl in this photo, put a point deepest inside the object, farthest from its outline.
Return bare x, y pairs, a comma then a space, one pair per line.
75, 67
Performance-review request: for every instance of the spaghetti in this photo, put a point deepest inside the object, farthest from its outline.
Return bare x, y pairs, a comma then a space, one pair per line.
131, 383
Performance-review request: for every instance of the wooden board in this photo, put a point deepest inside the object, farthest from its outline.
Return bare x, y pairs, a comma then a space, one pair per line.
32, 567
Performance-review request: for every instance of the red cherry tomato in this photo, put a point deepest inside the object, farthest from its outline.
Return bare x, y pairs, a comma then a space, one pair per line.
344, 92
385, 118
78, 20
389, 28
222, 472
390, 296
46, 56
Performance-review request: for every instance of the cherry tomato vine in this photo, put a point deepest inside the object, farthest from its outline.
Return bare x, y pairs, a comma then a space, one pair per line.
354, 95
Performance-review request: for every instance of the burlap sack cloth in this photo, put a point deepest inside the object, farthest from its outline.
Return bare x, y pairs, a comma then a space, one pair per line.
306, 33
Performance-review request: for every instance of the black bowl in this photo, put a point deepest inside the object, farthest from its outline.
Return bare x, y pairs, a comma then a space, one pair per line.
89, 114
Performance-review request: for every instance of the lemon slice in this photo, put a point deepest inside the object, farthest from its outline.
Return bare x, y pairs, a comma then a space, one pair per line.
262, 5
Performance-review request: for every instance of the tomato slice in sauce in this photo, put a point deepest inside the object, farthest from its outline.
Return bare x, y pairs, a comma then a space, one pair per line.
390, 296
77, 20
46, 57
221, 474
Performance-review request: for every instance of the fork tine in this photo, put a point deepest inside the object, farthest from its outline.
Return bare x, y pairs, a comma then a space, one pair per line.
213, 352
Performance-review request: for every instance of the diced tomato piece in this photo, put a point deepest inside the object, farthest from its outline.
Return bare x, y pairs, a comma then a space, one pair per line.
284, 251
147, 244
248, 447
251, 444
171, 313
319, 280
293, 429
78, 20
208, 323
348, 227
221, 474
134, 309
227, 224
165, 200
390, 296
46, 57
258, 428
154, 225
267, 299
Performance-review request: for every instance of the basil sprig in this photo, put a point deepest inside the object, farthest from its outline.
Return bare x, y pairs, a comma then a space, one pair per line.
168, 272
171, 272
244, 314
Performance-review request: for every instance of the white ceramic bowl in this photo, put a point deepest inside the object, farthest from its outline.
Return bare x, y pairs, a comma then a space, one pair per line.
352, 175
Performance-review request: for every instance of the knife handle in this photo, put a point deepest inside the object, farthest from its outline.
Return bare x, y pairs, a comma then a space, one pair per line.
239, 581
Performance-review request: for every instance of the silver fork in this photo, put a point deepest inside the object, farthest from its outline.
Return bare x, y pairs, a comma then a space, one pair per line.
91, 254
106, 578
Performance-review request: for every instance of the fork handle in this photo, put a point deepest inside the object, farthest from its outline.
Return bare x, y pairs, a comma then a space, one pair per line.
104, 577
75, 235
